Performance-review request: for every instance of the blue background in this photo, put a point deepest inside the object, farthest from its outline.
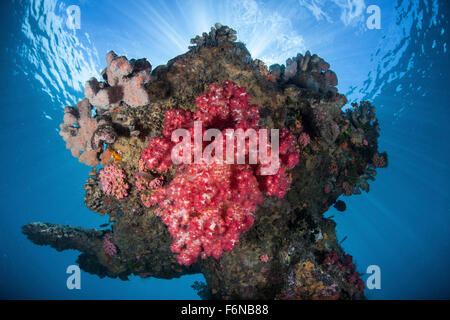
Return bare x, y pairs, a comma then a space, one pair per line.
402, 225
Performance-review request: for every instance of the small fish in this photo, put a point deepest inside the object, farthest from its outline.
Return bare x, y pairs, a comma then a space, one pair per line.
104, 225
340, 205
117, 157
345, 238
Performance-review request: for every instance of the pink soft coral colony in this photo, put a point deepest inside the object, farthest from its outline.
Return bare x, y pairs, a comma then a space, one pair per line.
113, 181
109, 247
207, 206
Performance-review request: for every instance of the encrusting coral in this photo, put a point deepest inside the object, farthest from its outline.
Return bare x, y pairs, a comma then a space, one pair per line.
252, 235
308, 71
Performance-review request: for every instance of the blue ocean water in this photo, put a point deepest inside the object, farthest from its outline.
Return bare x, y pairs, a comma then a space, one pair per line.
402, 225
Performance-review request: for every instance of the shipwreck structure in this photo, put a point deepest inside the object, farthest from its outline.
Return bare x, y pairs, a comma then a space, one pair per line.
252, 236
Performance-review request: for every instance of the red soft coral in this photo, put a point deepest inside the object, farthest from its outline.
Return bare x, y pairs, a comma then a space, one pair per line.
208, 205
157, 155
206, 208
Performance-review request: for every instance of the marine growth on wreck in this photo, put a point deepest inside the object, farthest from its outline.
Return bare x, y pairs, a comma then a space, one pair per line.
252, 236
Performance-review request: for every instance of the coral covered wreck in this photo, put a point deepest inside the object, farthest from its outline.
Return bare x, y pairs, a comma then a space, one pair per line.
251, 235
